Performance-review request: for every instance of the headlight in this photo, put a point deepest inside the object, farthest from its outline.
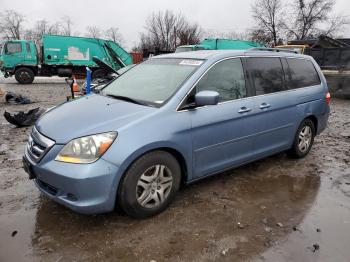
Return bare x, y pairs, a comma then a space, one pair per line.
86, 149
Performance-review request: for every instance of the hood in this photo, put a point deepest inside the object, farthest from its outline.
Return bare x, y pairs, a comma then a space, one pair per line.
89, 115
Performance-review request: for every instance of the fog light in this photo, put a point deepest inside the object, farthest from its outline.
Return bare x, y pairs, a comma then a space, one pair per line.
72, 197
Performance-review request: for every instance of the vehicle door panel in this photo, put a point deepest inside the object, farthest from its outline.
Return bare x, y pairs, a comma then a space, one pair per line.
275, 109
222, 137
222, 133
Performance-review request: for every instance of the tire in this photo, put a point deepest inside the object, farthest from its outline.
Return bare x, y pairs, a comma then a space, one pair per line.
149, 185
24, 75
98, 73
302, 147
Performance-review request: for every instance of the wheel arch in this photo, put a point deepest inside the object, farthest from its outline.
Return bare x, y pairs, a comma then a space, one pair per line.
314, 120
169, 149
176, 153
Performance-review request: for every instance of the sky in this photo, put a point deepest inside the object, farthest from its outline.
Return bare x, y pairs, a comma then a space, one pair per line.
130, 15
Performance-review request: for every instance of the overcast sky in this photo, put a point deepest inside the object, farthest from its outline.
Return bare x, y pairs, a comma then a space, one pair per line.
129, 16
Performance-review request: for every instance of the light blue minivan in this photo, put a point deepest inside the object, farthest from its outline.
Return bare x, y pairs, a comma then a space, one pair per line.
175, 119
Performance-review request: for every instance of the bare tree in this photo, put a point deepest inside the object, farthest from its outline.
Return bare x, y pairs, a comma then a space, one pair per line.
113, 34
335, 25
11, 24
165, 30
189, 34
93, 31
269, 16
41, 28
66, 25
162, 28
261, 36
311, 16
230, 34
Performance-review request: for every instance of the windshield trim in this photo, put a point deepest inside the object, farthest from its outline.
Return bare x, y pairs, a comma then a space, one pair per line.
159, 105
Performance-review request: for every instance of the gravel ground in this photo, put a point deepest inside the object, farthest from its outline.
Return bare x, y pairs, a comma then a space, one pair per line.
276, 209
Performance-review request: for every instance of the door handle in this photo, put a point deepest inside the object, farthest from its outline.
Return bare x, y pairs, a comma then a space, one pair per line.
264, 105
244, 110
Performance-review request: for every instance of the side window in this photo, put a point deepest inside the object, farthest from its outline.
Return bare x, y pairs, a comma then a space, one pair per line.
303, 73
267, 74
226, 78
28, 48
12, 48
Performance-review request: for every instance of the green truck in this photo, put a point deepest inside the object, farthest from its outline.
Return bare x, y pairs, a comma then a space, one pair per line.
219, 44
59, 55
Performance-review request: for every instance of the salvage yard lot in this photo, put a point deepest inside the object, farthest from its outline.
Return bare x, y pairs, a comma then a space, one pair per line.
272, 210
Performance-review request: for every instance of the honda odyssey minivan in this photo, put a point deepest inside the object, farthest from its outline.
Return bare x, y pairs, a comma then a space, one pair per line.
175, 119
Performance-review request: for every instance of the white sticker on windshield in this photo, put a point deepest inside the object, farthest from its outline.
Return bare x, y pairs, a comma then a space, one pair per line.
191, 62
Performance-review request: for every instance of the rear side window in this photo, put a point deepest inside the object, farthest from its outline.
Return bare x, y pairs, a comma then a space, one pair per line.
267, 74
12, 48
226, 78
303, 73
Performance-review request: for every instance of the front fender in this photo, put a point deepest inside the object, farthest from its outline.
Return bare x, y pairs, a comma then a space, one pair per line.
132, 157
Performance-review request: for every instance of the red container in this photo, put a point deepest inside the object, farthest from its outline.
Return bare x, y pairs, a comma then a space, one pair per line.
136, 57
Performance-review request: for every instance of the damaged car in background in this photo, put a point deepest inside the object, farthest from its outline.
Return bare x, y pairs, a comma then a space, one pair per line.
111, 74
175, 119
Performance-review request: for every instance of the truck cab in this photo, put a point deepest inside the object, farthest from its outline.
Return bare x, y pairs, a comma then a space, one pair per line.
19, 58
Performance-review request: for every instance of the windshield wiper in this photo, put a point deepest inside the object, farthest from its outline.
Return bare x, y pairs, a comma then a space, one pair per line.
128, 99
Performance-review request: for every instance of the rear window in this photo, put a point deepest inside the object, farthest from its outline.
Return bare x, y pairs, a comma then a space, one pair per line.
303, 73
267, 74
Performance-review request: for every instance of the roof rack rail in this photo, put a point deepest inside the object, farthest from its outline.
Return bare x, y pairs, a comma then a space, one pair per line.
272, 49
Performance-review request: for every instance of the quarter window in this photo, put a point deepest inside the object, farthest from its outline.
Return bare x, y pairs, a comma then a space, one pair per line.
303, 73
12, 48
267, 74
226, 78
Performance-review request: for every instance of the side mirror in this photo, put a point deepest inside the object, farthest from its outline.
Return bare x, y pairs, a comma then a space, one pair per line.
206, 98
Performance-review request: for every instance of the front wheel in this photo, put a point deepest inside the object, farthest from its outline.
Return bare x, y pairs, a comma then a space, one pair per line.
303, 140
24, 75
150, 184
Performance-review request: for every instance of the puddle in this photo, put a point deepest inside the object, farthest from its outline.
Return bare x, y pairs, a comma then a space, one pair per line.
233, 215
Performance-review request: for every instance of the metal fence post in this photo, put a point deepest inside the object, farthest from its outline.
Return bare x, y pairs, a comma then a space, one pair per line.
88, 80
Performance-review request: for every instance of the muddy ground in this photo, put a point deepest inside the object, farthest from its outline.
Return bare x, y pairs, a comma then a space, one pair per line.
276, 209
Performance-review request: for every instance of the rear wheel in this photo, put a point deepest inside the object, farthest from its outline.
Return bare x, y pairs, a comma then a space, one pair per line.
303, 139
150, 184
24, 75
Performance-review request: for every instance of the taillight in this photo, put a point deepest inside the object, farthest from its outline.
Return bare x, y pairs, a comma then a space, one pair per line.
328, 98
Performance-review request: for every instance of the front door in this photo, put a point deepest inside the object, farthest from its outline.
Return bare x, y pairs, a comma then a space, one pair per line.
222, 133
13, 54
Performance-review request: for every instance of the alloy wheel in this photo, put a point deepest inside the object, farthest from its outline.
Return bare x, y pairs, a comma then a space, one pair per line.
305, 137
154, 186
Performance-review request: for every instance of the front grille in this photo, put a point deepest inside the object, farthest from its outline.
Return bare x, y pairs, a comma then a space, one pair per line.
38, 145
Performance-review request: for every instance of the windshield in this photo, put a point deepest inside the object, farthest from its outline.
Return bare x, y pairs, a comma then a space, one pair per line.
154, 81
125, 68
183, 49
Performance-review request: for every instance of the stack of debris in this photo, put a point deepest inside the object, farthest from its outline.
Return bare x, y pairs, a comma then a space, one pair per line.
21, 118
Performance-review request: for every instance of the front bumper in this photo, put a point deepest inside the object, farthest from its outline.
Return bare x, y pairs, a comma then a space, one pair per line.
84, 188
